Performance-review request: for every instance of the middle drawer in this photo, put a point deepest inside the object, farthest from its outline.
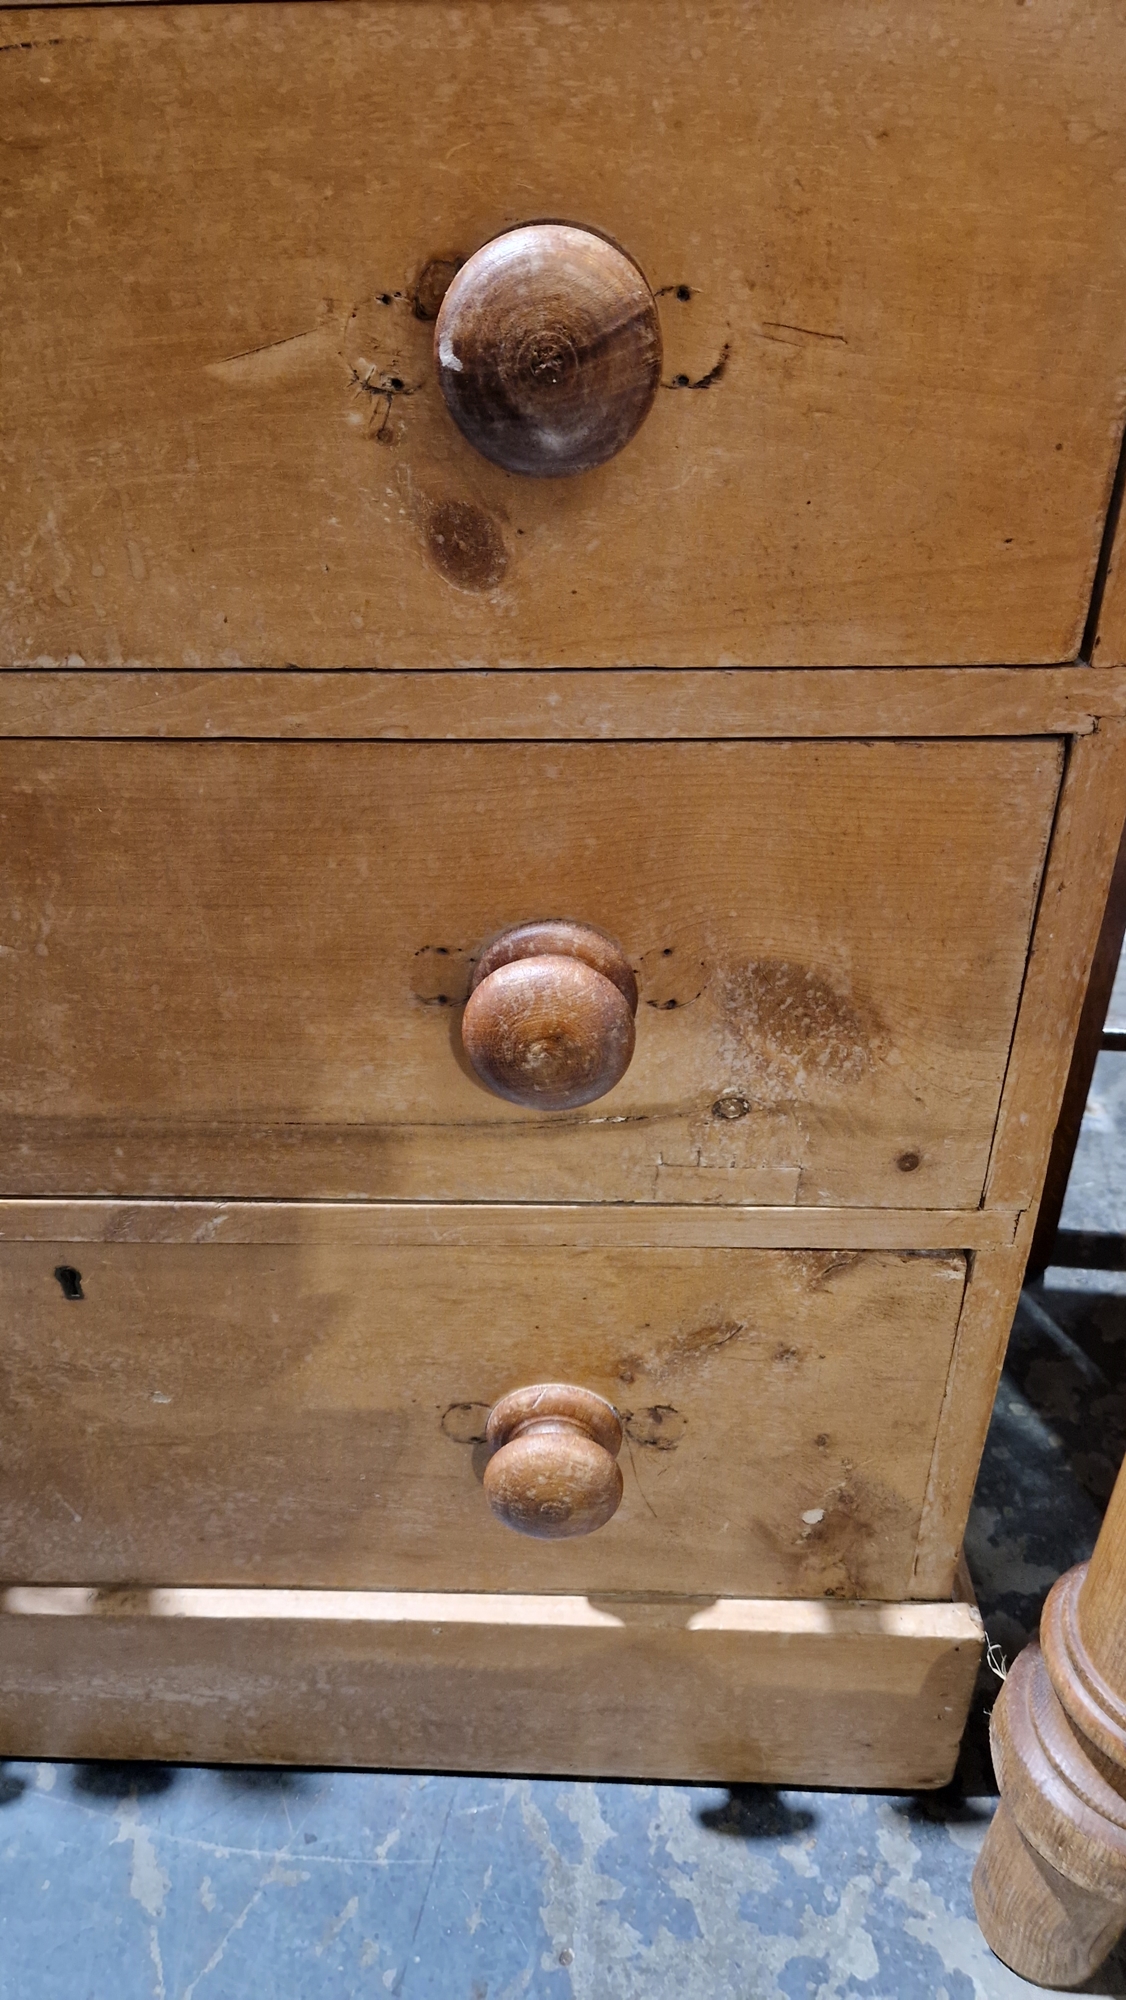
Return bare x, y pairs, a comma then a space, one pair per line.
238, 968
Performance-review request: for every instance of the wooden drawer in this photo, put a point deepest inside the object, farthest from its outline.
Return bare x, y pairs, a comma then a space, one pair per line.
299, 1415
887, 244
224, 965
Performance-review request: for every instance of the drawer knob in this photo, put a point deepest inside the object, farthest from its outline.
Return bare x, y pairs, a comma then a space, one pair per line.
554, 1470
548, 349
549, 1019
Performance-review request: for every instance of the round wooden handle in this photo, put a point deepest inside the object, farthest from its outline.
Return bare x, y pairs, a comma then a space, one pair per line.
549, 1019
548, 349
554, 1470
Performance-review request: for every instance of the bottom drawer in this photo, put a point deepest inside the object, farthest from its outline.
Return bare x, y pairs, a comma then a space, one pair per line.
296, 1415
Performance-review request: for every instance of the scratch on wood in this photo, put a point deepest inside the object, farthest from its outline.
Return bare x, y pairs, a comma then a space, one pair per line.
274, 359
775, 329
266, 347
645, 1500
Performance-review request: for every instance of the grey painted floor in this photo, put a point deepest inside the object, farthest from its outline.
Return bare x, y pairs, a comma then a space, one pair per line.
119, 1882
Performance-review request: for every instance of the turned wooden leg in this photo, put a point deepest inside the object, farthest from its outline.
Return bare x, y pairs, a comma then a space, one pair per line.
1050, 1882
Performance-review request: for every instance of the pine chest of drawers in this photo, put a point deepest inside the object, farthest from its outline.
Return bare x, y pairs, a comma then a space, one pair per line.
561, 748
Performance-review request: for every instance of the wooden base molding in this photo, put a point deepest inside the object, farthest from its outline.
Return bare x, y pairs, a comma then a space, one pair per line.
728, 1690
1050, 1882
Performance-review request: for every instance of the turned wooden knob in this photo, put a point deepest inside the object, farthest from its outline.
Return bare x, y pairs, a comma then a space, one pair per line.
549, 1019
548, 349
554, 1469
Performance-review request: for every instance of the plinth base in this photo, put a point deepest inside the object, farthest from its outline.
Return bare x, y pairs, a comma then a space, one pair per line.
728, 1690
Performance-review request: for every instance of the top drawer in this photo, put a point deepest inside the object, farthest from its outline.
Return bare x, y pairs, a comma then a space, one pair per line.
886, 241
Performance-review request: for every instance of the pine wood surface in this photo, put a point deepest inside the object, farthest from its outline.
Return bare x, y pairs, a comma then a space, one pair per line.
235, 968
892, 396
1109, 647
891, 407
211, 1414
808, 1693
1081, 1069
1084, 848
986, 1320
1111, 637
327, 1225
638, 705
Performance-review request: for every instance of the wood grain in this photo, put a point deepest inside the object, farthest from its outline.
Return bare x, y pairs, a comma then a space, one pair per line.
1109, 647
549, 1022
1101, 1625
236, 969
798, 1693
1110, 640
548, 350
1084, 848
573, 706
893, 388
1103, 971
1050, 1881
553, 1473
557, 1225
984, 1327
1048, 1929
213, 1414
548, 1032
1085, 842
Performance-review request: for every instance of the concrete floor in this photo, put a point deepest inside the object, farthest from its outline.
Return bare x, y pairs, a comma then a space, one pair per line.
118, 1882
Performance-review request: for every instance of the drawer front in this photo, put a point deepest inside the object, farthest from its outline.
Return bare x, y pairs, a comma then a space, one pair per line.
273, 1415
237, 969
891, 274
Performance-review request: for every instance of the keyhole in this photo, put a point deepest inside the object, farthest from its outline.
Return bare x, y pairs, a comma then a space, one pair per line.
70, 1280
